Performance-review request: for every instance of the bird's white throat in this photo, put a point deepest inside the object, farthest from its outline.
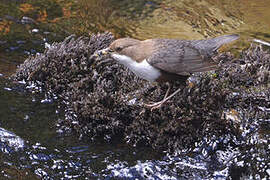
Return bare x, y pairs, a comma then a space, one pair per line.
142, 69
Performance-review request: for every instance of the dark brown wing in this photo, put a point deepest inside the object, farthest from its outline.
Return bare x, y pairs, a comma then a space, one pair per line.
179, 57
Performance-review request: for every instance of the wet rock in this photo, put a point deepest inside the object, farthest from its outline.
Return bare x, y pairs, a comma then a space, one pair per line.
104, 99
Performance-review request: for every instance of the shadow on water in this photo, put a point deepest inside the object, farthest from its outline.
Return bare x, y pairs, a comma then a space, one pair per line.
31, 147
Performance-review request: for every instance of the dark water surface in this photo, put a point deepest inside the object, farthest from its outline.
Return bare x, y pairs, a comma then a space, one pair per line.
31, 147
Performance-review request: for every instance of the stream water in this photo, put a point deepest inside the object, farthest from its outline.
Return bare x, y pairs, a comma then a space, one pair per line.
31, 147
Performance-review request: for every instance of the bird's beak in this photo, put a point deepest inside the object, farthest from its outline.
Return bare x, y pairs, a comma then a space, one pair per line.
101, 53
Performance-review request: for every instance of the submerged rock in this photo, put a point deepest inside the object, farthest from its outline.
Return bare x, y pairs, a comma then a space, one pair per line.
104, 99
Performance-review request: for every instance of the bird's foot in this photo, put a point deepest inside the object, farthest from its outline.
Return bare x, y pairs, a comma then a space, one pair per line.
160, 103
155, 105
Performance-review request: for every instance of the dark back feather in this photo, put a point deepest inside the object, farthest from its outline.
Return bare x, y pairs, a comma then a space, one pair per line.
184, 57
213, 44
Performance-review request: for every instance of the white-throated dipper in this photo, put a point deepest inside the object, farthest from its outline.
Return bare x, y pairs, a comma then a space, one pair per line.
166, 60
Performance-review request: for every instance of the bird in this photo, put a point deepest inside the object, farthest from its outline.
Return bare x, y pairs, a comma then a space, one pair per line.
166, 60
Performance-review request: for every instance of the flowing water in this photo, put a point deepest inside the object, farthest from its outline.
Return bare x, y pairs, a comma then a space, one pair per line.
30, 145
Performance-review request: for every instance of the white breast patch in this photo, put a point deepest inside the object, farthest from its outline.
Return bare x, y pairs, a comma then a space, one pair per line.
143, 69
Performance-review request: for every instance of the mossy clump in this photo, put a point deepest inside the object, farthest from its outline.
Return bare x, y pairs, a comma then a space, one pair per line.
104, 99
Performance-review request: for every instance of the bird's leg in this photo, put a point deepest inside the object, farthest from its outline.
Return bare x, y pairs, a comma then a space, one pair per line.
160, 103
157, 103
167, 92
167, 98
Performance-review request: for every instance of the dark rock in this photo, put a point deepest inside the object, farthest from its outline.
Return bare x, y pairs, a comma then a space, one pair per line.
104, 99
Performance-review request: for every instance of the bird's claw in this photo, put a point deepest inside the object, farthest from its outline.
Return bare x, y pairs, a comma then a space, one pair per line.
154, 105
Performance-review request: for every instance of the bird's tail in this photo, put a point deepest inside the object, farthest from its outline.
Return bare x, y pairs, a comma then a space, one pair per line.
214, 44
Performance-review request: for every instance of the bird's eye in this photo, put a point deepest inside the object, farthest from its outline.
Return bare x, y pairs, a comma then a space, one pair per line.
119, 48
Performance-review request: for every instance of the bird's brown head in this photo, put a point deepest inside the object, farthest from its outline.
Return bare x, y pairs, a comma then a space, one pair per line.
133, 48
121, 45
